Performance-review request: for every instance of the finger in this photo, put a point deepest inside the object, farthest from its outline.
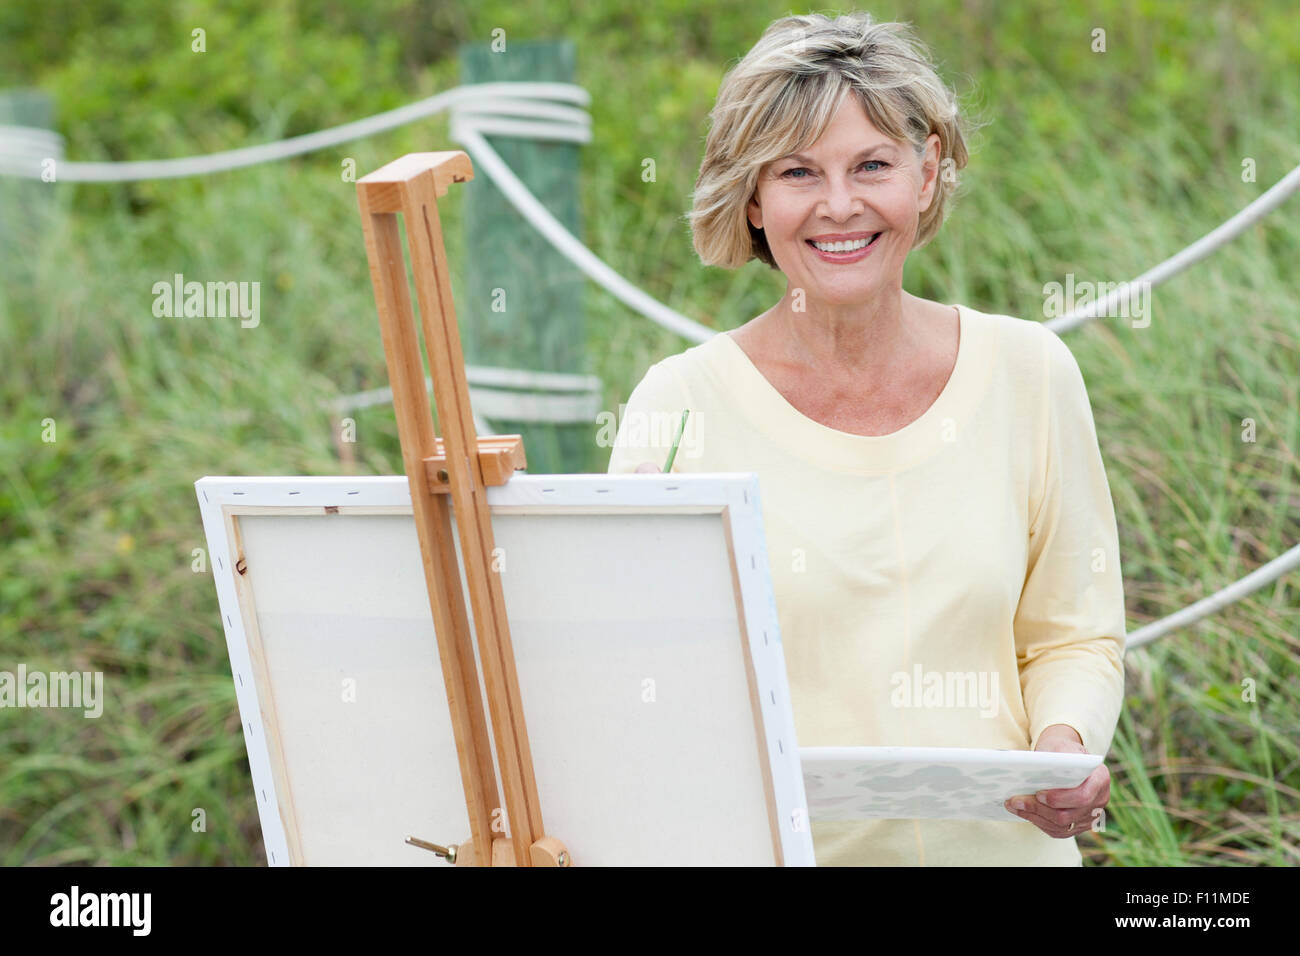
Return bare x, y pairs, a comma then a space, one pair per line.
1015, 808
1023, 807
1053, 816
647, 467
1093, 792
1055, 823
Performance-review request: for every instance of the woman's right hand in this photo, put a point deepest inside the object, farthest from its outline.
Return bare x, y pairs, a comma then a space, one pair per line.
648, 467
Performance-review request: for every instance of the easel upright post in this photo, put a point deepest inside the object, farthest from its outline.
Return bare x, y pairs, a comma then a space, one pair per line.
462, 466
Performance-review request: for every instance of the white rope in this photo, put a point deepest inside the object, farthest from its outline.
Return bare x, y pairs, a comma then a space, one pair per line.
482, 379
24, 148
294, 146
486, 159
503, 109
1206, 606
540, 120
1208, 244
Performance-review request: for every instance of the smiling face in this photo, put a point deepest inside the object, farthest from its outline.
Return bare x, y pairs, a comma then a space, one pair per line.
849, 186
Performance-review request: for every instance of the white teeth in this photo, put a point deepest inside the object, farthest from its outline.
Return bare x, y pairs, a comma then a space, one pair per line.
843, 246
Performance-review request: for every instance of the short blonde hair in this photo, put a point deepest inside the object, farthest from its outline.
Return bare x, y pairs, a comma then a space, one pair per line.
782, 95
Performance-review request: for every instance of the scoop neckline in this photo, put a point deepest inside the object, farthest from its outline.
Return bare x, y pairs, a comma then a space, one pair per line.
773, 413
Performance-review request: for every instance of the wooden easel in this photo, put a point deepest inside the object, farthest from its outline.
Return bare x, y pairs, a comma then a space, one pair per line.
460, 465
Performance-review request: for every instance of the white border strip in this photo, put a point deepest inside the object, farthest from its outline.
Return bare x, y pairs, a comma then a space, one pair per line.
211, 499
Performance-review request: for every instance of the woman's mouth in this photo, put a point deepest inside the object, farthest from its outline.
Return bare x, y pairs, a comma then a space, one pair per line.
843, 251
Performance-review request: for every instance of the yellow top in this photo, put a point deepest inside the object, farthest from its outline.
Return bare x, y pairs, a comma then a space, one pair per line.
953, 584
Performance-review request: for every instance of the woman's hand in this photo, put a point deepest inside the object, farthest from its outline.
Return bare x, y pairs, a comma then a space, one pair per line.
1064, 813
647, 467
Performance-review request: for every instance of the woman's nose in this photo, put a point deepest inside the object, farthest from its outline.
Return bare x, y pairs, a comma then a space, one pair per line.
841, 201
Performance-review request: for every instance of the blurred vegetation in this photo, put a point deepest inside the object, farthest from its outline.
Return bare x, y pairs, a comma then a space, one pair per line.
1096, 164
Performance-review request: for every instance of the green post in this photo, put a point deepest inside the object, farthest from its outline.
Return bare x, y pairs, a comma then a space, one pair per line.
25, 204
522, 308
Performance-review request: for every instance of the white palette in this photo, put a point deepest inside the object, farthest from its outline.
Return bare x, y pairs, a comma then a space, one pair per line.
948, 783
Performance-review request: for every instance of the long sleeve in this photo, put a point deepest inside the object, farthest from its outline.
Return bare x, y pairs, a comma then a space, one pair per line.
649, 421
1070, 623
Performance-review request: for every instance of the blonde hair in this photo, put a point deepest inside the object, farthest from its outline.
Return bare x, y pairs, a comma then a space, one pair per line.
783, 94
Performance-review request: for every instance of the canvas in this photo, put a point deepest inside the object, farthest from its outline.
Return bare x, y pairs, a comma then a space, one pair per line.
647, 647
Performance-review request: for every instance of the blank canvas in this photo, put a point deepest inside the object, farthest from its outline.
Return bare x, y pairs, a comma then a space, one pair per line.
647, 648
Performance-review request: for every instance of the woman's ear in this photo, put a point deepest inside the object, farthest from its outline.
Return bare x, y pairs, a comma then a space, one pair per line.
753, 211
930, 168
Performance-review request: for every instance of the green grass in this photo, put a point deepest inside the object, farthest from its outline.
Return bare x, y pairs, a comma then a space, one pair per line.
1099, 165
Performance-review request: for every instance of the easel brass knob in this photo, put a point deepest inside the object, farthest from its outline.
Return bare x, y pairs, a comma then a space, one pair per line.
447, 852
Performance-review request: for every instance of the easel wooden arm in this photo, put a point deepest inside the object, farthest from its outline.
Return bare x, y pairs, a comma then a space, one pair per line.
460, 465
498, 456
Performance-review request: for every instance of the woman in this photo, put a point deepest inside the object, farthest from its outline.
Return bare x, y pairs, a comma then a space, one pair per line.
935, 504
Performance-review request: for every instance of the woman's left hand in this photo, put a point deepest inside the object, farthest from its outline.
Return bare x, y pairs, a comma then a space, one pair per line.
1064, 813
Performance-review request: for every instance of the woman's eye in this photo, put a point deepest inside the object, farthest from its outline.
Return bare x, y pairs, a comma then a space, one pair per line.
793, 173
